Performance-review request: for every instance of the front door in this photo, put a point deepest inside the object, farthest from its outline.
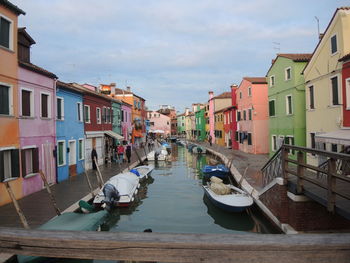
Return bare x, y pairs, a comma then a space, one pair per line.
72, 158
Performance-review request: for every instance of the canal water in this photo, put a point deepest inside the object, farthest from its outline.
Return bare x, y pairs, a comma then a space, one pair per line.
173, 201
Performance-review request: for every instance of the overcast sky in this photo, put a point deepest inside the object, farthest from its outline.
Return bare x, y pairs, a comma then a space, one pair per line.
169, 52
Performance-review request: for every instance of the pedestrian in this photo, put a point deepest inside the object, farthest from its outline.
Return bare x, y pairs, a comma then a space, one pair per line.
93, 158
210, 140
120, 150
128, 152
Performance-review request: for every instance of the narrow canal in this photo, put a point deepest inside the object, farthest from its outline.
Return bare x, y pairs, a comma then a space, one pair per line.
174, 201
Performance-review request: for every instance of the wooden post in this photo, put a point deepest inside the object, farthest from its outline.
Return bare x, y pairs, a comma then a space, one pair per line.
18, 209
138, 156
99, 175
53, 200
331, 185
89, 184
300, 172
284, 156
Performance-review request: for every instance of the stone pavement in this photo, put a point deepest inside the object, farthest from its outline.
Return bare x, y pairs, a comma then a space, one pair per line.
38, 208
242, 161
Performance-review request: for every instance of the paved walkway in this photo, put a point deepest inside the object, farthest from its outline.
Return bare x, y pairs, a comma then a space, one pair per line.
242, 161
37, 207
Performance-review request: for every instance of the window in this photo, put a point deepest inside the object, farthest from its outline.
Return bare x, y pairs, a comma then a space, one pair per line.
30, 161
334, 147
334, 47
249, 138
274, 142
45, 107
151, 123
6, 32
249, 91
312, 137
9, 164
5, 99
60, 108
250, 114
238, 115
272, 80
289, 106
240, 95
27, 103
244, 115
61, 153
80, 111
236, 136
86, 113
122, 115
81, 149
287, 73
290, 141
335, 91
347, 83
272, 108
311, 98
104, 113
98, 115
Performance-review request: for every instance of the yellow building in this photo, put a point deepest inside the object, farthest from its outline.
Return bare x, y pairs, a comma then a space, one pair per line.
219, 127
323, 78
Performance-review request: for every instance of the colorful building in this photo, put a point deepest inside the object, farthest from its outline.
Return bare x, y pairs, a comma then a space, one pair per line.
219, 127
286, 100
117, 116
228, 129
189, 124
252, 115
200, 123
173, 126
323, 78
233, 119
181, 129
346, 89
159, 122
126, 121
9, 113
69, 131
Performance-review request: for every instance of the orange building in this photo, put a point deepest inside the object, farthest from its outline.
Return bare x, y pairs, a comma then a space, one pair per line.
9, 131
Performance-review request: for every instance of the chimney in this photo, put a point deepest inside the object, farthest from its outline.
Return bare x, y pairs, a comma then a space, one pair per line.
233, 86
187, 110
113, 86
211, 95
128, 89
320, 36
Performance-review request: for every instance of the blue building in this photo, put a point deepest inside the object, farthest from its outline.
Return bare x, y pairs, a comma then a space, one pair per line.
69, 131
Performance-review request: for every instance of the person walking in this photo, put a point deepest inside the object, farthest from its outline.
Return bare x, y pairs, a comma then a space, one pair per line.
210, 139
128, 152
120, 150
93, 158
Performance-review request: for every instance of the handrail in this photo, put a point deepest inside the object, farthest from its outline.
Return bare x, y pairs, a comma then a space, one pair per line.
168, 247
271, 159
318, 152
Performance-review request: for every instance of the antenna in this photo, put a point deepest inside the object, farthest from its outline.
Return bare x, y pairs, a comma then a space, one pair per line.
318, 26
277, 46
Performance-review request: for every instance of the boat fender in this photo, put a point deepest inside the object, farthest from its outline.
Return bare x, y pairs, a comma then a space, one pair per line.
134, 171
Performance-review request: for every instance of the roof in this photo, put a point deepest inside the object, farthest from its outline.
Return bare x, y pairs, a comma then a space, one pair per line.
36, 69
12, 7
229, 108
22, 30
223, 95
68, 86
346, 57
256, 80
122, 92
324, 33
296, 57
218, 111
91, 92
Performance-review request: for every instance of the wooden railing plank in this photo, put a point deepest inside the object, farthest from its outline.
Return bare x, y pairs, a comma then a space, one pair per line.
168, 247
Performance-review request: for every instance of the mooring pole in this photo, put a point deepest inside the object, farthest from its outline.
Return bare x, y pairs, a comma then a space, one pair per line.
53, 200
99, 175
89, 184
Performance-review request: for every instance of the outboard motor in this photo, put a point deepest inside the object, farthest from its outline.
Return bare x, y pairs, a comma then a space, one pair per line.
111, 196
156, 154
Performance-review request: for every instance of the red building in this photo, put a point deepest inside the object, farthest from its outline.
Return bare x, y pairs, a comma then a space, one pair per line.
346, 89
233, 120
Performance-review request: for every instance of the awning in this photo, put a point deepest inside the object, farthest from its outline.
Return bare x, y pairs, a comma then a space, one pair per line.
156, 131
114, 135
336, 137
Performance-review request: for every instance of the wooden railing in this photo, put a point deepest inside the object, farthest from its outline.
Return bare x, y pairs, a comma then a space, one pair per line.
306, 172
166, 247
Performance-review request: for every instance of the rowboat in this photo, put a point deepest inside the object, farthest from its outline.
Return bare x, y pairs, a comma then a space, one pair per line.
120, 190
236, 200
143, 171
220, 171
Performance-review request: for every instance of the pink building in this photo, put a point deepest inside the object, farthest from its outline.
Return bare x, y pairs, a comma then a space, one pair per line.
252, 115
159, 121
37, 119
126, 121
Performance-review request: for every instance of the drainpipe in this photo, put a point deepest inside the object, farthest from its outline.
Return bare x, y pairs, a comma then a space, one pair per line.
54, 127
211, 116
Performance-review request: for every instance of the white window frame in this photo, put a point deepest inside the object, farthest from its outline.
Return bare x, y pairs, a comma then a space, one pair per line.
62, 108
32, 100
88, 106
64, 153
10, 98
339, 90
82, 148
286, 74
80, 114
274, 81
274, 142
287, 104
48, 105
11, 37
98, 115
249, 91
347, 90
330, 46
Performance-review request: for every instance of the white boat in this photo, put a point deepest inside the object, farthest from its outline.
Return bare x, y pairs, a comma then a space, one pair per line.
126, 185
159, 155
236, 201
143, 171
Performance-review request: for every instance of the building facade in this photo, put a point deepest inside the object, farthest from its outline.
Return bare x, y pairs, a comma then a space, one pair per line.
159, 122
219, 127
126, 121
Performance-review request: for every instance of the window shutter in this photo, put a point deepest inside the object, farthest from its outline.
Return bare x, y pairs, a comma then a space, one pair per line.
35, 155
44, 106
25, 103
335, 91
249, 139
4, 100
4, 32
23, 162
2, 166
15, 163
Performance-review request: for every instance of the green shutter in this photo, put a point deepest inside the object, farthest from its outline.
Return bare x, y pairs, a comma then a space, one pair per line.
15, 163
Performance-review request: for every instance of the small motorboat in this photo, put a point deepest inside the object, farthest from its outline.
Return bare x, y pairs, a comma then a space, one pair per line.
220, 171
158, 155
119, 190
143, 171
199, 149
227, 196
190, 147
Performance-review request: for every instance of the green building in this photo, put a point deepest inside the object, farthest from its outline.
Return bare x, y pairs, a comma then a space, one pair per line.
286, 93
116, 109
181, 126
200, 123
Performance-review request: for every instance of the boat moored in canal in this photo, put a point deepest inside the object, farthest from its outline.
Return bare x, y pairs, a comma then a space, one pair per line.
219, 170
143, 171
199, 149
